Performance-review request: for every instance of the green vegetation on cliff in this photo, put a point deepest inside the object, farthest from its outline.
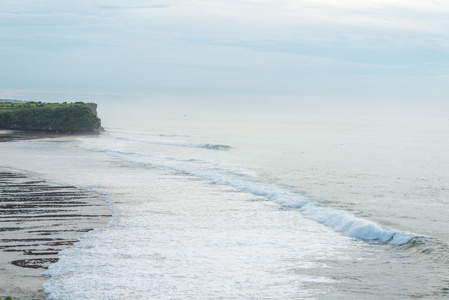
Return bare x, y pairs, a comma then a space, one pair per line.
61, 117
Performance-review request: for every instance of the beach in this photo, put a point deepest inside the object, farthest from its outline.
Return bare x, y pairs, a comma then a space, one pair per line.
19, 135
241, 150
233, 206
38, 219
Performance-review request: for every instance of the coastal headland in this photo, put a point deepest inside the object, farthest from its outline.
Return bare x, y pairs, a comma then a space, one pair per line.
60, 118
38, 219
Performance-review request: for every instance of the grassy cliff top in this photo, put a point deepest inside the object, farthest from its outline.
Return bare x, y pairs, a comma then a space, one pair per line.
55, 117
9, 106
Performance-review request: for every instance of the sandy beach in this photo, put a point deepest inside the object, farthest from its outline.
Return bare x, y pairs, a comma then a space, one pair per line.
38, 219
15, 135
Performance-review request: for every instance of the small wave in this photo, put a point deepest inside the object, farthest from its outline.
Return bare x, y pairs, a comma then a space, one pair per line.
350, 225
117, 130
434, 249
214, 147
339, 221
177, 143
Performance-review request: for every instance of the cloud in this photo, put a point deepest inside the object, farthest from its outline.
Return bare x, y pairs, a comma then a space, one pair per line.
308, 48
133, 7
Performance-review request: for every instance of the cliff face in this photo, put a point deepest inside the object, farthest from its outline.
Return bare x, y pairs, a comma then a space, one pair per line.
76, 117
92, 107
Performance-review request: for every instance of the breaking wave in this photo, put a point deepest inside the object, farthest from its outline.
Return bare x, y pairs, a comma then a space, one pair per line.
176, 143
340, 221
428, 247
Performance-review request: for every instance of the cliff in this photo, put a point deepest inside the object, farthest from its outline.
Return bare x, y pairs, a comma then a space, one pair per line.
78, 117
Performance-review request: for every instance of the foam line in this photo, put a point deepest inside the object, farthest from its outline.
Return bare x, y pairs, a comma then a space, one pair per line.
177, 143
340, 221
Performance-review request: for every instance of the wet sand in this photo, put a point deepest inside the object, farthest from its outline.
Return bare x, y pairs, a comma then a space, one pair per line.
14, 135
38, 219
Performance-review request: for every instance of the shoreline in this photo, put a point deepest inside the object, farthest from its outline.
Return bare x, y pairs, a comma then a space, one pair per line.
38, 219
8, 135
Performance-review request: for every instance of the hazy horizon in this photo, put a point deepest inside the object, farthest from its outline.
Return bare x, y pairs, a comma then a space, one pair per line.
306, 57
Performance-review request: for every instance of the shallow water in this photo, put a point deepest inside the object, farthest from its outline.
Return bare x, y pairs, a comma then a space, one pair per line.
214, 207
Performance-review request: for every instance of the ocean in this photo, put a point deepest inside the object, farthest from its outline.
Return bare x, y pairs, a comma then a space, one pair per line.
237, 206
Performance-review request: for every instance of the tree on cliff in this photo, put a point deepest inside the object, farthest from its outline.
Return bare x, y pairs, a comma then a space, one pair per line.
70, 117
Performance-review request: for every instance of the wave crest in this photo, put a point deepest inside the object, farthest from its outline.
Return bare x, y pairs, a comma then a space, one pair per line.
352, 226
215, 147
340, 221
432, 248
176, 143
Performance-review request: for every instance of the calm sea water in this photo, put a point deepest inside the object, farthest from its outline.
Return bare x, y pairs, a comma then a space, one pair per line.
252, 206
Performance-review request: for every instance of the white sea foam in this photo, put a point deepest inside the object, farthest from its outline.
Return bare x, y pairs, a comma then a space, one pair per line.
172, 237
176, 236
350, 225
178, 144
340, 221
146, 138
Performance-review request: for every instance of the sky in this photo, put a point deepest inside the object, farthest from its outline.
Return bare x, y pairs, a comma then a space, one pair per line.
283, 56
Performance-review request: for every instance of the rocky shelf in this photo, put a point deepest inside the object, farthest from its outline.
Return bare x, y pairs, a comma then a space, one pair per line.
39, 219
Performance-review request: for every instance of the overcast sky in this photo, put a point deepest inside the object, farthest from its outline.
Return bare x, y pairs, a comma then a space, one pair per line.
274, 55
